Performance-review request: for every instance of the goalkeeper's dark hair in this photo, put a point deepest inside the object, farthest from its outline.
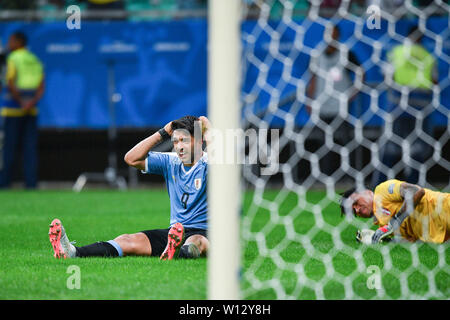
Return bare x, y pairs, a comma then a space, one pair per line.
189, 123
344, 196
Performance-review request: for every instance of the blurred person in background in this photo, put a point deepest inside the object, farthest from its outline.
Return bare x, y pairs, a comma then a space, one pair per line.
191, 4
18, 4
328, 8
97, 9
24, 87
2, 77
93, 4
2, 64
412, 74
332, 87
105, 4
387, 5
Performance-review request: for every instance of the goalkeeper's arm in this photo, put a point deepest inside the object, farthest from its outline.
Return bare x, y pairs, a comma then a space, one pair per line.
412, 194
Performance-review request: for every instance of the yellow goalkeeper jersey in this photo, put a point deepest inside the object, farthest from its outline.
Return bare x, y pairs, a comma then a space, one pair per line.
430, 221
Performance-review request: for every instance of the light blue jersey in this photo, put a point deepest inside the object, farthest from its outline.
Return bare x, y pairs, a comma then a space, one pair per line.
186, 187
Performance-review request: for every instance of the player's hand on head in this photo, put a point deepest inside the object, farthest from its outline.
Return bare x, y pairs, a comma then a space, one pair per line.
168, 128
205, 123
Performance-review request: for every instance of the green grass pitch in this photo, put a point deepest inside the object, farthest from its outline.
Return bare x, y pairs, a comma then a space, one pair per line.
29, 271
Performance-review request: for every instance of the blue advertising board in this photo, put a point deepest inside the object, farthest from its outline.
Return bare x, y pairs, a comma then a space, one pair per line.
160, 68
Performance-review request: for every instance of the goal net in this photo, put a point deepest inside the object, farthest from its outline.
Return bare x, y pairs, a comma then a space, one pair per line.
357, 92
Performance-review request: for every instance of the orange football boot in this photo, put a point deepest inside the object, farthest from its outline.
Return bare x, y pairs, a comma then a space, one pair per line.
174, 241
54, 234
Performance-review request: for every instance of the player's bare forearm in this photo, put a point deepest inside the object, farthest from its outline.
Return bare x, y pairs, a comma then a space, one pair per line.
311, 88
28, 104
137, 155
39, 92
14, 91
412, 194
206, 125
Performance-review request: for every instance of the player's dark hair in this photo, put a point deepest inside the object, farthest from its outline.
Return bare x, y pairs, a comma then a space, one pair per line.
189, 123
21, 37
344, 196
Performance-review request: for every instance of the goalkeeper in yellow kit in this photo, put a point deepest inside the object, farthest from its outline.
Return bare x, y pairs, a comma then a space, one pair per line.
398, 207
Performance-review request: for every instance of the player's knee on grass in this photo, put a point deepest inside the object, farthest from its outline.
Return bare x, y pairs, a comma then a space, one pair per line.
134, 244
200, 241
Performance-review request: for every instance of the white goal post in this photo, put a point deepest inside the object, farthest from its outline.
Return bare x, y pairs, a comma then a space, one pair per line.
224, 54
331, 83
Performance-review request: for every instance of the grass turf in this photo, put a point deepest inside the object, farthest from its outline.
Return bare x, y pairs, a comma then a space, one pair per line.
283, 254
29, 271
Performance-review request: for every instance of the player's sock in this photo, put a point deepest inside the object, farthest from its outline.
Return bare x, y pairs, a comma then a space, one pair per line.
189, 251
100, 249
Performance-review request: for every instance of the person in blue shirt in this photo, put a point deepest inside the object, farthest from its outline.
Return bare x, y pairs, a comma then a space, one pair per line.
185, 172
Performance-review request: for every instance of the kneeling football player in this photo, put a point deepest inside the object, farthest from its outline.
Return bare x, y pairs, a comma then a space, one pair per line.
185, 172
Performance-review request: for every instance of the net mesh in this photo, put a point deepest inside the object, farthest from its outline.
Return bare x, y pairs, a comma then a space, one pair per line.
351, 111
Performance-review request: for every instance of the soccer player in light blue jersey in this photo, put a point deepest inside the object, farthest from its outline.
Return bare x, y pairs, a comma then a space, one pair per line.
185, 172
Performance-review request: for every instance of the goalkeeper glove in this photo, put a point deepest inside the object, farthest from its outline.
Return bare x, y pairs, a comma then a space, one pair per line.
382, 233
